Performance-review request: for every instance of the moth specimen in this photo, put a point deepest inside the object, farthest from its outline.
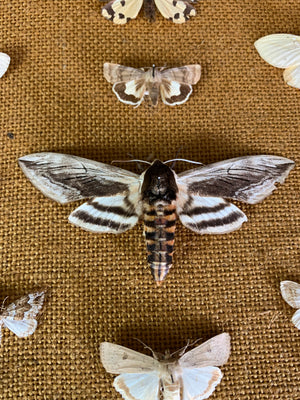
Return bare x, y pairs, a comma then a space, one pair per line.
130, 85
117, 198
20, 316
4, 63
122, 11
193, 375
291, 293
282, 50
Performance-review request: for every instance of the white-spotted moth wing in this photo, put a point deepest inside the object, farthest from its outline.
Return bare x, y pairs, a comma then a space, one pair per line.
121, 11
20, 316
130, 85
176, 83
118, 198
114, 206
4, 63
195, 374
282, 51
291, 293
201, 205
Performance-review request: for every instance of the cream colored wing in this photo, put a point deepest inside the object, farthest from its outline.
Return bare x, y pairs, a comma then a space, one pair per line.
176, 11
296, 319
4, 63
121, 11
199, 383
142, 386
114, 73
213, 352
118, 360
281, 50
291, 293
292, 76
189, 74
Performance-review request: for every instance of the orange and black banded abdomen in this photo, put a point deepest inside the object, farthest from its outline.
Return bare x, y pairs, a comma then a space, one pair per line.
160, 234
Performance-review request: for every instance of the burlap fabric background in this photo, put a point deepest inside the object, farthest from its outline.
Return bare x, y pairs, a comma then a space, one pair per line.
54, 98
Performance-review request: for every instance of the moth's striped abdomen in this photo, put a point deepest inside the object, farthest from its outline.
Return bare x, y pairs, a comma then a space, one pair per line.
160, 226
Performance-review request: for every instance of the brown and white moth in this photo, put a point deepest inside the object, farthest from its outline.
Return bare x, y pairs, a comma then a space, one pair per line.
291, 293
130, 85
122, 11
20, 316
178, 376
119, 198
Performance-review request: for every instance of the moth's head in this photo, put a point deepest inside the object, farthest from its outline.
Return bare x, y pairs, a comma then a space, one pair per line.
159, 183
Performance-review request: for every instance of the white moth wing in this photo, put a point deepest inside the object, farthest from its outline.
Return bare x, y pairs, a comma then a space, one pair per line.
213, 352
199, 383
121, 11
174, 93
142, 386
280, 50
119, 359
4, 63
291, 293
110, 214
249, 179
21, 328
296, 319
64, 178
292, 76
176, 11
209, 215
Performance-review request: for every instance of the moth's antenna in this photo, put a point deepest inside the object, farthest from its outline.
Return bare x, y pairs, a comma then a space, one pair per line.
2, 306
181, 159
126, 161
147, 347
183, 349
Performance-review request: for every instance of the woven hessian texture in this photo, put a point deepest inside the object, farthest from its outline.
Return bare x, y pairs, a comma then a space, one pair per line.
54, 98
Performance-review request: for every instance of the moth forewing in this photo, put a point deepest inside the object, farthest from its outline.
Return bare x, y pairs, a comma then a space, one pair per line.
122, 11
292, 76
281, 50
4, 63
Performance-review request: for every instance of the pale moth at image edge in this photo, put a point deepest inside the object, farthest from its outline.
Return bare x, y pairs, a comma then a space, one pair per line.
291, 293
118, 198
4, 63
130, 85
20, 316
193, 375
282, 50
122, 11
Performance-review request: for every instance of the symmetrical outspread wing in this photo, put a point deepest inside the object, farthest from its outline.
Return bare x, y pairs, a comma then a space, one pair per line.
249, 179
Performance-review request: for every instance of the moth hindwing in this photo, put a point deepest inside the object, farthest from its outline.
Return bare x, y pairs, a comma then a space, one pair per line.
122, 11
282, 50
21, 316
291, 293
131, 85
117, 198
193, 375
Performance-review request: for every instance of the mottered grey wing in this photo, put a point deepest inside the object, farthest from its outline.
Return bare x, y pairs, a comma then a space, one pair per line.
114, 192
201, 205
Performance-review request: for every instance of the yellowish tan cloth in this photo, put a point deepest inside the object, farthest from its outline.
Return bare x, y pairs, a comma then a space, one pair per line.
54, 98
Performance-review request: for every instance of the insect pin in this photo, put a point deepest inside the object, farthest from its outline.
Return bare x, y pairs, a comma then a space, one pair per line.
131, 85
20, 316
118, 198
193, 375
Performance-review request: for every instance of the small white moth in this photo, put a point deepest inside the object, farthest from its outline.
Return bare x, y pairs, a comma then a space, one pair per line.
4, 63
291, 293
20, 316
191, 376
282, 50
131, 85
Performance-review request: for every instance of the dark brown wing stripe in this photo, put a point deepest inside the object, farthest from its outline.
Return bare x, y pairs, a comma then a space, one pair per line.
229, 219
116, 210
89, 219
205, 210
